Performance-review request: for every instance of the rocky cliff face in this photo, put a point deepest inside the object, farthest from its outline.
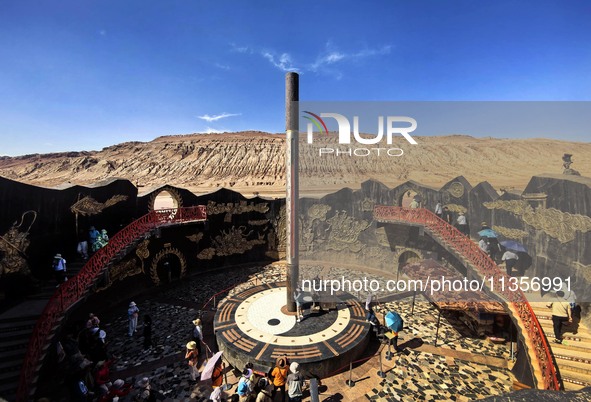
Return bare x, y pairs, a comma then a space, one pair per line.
255, 162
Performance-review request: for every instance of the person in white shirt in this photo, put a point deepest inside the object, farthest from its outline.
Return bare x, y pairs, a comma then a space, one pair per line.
462, 224
483, 245
561, 312
438, 209
510, 259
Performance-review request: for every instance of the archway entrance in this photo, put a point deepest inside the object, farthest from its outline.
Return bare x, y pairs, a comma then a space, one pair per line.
168, 265
405, 258
165, 200
169, 268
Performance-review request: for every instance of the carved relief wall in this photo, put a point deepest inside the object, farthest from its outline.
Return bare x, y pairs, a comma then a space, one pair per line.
557, 224
59, 217
14, 244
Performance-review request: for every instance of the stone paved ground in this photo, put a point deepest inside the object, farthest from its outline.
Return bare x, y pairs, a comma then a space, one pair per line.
416, 375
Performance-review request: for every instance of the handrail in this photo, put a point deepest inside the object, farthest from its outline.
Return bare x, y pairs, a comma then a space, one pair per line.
486, 267
70, 292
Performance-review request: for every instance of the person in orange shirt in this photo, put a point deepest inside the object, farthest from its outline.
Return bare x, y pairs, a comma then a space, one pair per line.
217, 377
279, 375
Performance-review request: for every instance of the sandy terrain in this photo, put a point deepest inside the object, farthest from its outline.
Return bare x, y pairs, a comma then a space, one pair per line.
253, 163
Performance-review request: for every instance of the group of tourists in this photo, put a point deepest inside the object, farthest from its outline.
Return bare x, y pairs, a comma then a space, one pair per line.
97, 239
285, 380
85, 360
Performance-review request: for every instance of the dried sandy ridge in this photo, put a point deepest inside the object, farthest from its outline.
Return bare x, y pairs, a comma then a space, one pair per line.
254, 162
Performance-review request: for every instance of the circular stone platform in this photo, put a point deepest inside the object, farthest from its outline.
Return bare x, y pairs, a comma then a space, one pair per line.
250, 327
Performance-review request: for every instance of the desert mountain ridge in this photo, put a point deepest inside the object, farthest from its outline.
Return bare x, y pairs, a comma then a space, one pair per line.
254, 162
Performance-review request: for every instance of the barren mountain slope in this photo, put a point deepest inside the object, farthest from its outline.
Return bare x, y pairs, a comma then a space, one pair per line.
254, 162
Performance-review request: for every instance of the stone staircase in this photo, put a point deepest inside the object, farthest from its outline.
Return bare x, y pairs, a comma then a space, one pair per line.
16, 326
573, 356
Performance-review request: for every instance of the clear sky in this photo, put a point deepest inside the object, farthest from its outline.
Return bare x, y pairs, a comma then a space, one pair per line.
85, 74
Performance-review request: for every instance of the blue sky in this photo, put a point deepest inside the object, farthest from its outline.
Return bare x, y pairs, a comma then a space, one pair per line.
82, 74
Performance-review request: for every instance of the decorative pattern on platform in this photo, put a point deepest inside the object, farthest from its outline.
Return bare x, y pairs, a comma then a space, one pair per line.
78, 286
557, 224
518, 306
251, 323
13, 245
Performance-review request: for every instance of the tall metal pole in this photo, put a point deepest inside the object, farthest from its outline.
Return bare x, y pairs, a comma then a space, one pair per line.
292, 130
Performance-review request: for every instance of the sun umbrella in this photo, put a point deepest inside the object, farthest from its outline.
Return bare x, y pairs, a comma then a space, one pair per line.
513, 245
394, 321
208, 370
488, 233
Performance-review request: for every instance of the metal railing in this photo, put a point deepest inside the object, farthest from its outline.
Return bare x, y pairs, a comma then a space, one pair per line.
485, 266
70, 292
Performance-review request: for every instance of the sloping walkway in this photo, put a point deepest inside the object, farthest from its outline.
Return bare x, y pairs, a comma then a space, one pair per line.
573, 355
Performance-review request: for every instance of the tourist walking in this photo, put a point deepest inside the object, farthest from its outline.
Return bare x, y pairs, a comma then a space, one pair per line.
192, 357
93, 234
93, 321
265, 390
102, 377
510, 259
101, 241
217, 376
483, 245
295, 383
245, 385
118, 390
370, 315
447, 216
438, 209
147, 332
146, 394
82, 249
494, 248
462, 224
217, 395
132, 315
59, 269
279, 375
298, 297
561, 312
198, 334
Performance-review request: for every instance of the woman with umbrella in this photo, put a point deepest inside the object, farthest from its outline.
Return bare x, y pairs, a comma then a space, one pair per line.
510, 259
396, 324
492, 241
510, 256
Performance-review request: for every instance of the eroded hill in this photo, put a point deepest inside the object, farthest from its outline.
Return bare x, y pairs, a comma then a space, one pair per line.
255, 162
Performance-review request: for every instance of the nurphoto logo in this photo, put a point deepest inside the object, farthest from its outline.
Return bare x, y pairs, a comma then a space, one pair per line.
344, 129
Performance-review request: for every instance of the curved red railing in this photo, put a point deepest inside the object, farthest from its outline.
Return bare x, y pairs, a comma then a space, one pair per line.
76, 287
486, 267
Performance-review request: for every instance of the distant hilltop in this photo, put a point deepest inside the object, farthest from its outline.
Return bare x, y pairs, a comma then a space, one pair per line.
254, 162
